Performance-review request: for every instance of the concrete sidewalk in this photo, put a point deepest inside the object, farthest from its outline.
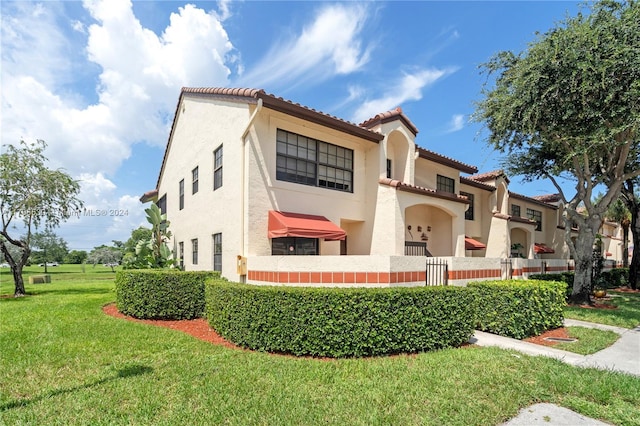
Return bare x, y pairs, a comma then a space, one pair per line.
622, 356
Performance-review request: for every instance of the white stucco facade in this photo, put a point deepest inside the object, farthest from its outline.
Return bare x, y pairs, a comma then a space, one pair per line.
395, 201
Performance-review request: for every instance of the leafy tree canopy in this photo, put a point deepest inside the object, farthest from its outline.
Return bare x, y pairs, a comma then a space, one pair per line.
76, 257
32, 196
47, 247
568, 106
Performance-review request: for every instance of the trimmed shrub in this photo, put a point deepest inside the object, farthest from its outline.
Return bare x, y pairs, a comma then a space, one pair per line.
340, 322
565, 277
615, 278
162, 293
519, 308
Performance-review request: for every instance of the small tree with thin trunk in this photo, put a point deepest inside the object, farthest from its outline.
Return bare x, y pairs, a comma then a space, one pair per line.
31, 196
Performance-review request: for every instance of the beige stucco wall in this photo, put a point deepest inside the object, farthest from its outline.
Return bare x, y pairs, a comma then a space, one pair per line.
265, 192
376, 216
201, 127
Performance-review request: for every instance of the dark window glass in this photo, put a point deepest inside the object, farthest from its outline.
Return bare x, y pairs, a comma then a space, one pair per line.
181, 194
217, 252
294, 246
308, 161
468, 215
181, 254
217, 168
389, 170
162, 204
515, 210
194, 251
194, 180
536, 216
445, 184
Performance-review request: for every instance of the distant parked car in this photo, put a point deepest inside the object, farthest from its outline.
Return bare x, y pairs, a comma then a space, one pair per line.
4, 265
50, 264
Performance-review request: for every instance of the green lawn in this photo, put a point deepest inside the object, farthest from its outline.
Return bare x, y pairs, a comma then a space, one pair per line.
626, 314
590, 340
64, 362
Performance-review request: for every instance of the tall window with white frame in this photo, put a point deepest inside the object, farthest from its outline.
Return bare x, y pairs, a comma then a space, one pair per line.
468, 215
181, 194
194, 251
181, 254
217, 168
194, 180
217, 252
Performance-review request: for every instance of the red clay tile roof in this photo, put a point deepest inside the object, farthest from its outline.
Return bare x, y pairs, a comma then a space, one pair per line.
149, 196
532, 200
441, 159
385, 117
548, 198
272, 102
494, 174
481, 185
423, 191
286, 106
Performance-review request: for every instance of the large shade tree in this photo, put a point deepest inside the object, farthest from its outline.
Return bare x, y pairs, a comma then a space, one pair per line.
32, 196
569, 107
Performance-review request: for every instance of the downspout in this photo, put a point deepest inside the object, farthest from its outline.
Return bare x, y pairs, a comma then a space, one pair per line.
243, 179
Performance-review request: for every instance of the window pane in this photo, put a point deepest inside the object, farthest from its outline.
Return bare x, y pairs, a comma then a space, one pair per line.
298, 161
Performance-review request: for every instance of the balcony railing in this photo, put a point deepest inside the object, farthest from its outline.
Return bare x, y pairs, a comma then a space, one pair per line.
416, 248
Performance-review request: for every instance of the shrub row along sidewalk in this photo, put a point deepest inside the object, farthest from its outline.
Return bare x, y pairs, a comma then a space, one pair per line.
343, 322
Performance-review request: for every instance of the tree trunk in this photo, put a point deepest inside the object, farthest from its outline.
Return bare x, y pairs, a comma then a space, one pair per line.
19, 290
625, 245
16, 267
583, 257
634, 267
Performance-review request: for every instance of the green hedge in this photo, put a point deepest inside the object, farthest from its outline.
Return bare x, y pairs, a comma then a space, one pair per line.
565, 277
519, 308
340, 322
614, 278
161, 293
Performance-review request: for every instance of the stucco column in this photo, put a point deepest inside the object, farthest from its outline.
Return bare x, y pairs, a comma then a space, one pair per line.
458, 229
388, 228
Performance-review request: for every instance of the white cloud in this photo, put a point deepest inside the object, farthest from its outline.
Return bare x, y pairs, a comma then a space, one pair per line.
139, 73
407, 88
330, 45
92, 88
105, 215
456, 123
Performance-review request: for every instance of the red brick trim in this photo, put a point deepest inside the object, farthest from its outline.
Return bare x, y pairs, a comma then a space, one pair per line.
336, 277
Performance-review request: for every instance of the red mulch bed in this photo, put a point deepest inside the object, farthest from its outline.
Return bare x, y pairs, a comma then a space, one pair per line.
198, 328
626, 290
539, 340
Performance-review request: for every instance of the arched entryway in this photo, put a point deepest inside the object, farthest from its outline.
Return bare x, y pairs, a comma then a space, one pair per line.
520, 242
432, 226
397, 157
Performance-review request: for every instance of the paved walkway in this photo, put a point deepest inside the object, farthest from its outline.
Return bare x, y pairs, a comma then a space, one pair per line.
622, 356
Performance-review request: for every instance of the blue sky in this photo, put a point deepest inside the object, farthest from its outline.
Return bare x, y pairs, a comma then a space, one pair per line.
99, 80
